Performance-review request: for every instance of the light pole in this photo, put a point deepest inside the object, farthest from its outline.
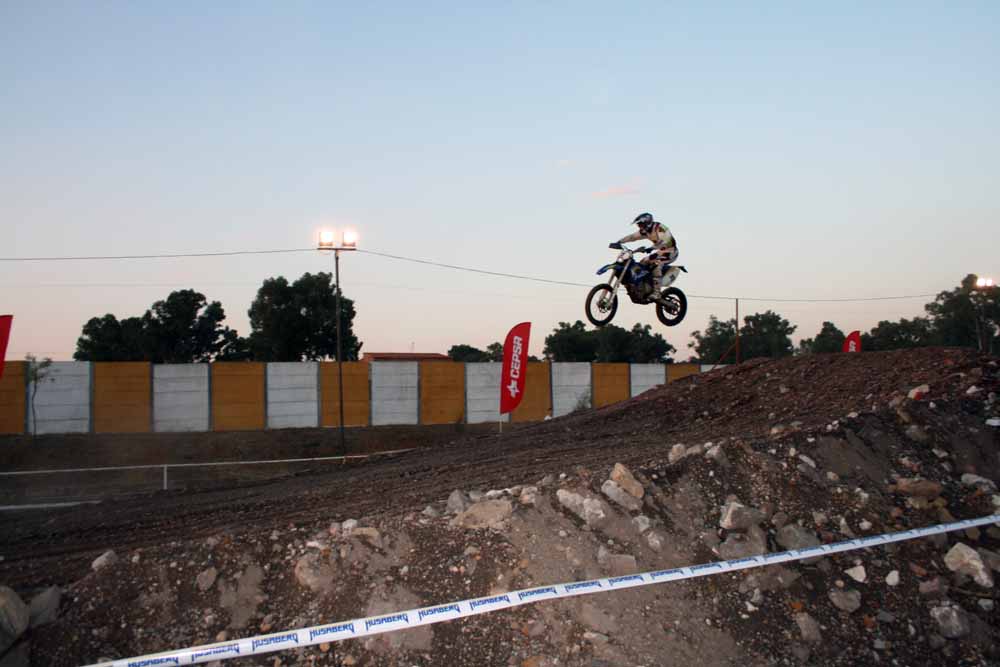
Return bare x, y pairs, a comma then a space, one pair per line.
327, 242
977, 311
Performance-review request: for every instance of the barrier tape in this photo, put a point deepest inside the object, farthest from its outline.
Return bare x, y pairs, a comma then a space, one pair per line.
373, 625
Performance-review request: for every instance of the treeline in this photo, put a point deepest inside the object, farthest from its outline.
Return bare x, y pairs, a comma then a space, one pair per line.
288, 322
966, 316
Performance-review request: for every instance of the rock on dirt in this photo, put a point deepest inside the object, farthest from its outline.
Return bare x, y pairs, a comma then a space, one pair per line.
485, 514
104, 560
953, 622
315, 572
743, 545
918, 488
624, 478
847, 601
457, 502
965, 560
981, 483
792, 536
206, 579
14, 618
809, 628
44, 607
736, 516
592, 511
619, 496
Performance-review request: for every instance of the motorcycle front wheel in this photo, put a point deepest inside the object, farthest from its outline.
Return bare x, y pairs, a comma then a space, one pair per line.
602, 304
675, 309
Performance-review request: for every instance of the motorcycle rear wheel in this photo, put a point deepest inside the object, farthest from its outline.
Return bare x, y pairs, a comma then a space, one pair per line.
677, 309
601, 309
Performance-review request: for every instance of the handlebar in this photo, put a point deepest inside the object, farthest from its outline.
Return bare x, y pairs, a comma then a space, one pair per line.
619, 246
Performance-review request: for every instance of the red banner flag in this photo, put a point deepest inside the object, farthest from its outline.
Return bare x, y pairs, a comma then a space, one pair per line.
853, 342
5, 322
515, 367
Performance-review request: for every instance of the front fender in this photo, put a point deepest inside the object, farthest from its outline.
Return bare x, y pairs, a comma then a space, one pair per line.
604, 269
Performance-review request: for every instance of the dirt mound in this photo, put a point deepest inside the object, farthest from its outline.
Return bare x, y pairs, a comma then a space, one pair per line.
752, 459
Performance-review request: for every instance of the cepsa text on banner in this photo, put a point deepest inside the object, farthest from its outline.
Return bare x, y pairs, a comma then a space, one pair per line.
515, 367
853, 342
5, 323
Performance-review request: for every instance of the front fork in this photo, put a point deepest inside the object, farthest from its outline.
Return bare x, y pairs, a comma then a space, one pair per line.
614, 282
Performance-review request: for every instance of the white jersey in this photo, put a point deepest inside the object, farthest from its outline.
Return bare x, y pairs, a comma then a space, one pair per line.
660, 237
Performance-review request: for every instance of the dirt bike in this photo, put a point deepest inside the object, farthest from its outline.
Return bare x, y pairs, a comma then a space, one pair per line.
637, 278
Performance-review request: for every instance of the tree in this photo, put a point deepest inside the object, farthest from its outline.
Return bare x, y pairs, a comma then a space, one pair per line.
292, 322
183, 328
467, 353
905, 334
966, 316
765, 334
718, 339
829, 339
494, 352
38, 372
110, 339
573, 342
570, 342
647, 347
639, 346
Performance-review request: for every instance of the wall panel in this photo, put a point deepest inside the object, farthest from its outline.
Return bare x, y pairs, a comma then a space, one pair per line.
293, 394
180, 398
570, 387
442, 392
611, 383
395, 392
357, 405
644, 377
12, 399
238, 402
537, 401
482, 390
678, 371
63, 399
122, 397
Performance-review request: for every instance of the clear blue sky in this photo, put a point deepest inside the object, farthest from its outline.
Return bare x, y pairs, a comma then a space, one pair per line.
795, 151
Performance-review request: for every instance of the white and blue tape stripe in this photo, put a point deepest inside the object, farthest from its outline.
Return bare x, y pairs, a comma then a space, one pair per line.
373, 625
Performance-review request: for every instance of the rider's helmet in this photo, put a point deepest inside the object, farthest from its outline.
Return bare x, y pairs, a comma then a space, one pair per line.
645, 222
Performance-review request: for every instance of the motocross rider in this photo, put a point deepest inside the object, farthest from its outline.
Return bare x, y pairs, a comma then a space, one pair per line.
664, 248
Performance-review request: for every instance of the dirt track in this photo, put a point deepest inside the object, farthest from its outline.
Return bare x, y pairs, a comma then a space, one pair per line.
754, 405
56, 547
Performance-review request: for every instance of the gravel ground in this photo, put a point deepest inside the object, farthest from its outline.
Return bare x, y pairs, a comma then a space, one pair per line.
749, 459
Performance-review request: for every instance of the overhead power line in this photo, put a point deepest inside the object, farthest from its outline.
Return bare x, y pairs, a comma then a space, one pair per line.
163, 256
690, 296
443, 265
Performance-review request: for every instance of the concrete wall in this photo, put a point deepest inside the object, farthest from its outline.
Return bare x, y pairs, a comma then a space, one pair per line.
644, 377
395, 389
442, 392
12, 400
357, 393
570, 387
537, 401
678, 371
482, 393
238, 402
293, 394
180, 398
611, 383
63, 399
132, 397
122, 397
